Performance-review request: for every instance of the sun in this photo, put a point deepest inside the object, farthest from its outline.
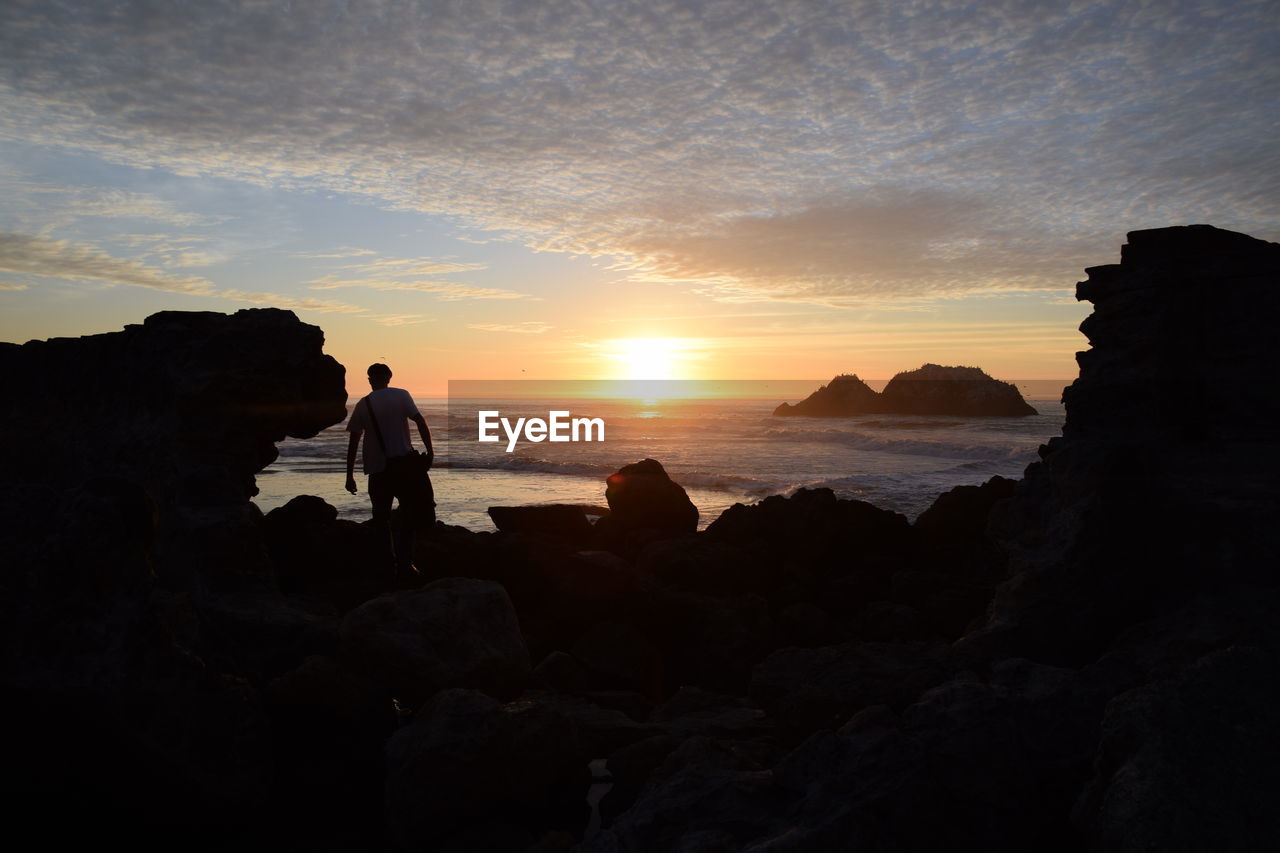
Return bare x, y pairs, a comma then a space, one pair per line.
647, 358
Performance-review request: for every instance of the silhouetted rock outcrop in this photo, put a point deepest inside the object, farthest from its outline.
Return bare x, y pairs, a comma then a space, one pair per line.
185, 407
937, 390
845, 395
810, 689
644, 500
496, 774
564, 522
126, 526
1189, 761
454, 632
1149, 497
315, 552
928, 390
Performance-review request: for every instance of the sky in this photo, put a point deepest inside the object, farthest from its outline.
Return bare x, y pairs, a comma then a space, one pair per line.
724, 189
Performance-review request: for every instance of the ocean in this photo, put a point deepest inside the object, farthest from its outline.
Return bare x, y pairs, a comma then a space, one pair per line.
722, 450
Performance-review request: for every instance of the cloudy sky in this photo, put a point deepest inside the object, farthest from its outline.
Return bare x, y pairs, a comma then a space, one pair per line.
729, 188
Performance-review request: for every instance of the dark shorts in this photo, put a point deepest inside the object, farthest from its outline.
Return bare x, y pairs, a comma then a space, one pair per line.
417, 497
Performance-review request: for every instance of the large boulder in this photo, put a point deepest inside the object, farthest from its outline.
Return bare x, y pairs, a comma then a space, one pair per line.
468, 760
455, 632
330, 725
957, 519
108, 706
810, 689
706, 795
644, 500
316, 553
957, 564
566, 523
617, 655
819, 541
1211, 728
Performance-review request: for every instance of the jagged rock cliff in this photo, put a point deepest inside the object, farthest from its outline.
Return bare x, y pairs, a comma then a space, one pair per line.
1165, 479
928, 390
171, 417
137, 612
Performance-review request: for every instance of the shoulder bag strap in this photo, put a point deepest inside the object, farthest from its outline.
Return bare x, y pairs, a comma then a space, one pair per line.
377, 430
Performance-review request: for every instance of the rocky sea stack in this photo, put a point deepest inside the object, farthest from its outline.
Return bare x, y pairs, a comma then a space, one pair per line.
929, 390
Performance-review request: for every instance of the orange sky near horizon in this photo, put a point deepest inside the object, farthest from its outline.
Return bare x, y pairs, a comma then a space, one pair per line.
875, 350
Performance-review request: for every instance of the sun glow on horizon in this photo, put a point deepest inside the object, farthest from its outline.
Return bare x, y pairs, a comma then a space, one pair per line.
649, 358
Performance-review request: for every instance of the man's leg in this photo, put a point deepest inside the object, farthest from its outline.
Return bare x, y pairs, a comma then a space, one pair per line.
417, 513
380, 495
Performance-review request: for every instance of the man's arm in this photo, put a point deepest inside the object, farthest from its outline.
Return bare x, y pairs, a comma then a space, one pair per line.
352, 446
426, 437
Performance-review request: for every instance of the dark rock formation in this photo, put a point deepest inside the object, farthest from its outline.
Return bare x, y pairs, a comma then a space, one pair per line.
1148, 497
810, 689
471, 765
314, 552
706, 795
968, 391
617, 655
846, 395
126, 527
928, 390
861, 785
187, 407
564, 522
189, 404
838, 553
959, 516
1190, 761
644, 501
455, 632
957, 564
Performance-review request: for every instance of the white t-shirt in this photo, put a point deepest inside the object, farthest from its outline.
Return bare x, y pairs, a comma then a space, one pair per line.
393, 408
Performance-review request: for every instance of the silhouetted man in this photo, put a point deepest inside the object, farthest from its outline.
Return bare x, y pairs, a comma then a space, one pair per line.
391, 409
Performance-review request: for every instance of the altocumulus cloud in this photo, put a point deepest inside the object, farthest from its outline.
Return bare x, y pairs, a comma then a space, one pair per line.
47, 207
38, 256
807, 150
413, 274
31, 255
531, 327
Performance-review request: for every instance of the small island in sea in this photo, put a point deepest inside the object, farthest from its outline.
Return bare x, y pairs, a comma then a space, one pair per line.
932, 389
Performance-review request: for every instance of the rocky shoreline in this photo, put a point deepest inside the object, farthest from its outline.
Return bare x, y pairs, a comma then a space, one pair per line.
1083, 659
